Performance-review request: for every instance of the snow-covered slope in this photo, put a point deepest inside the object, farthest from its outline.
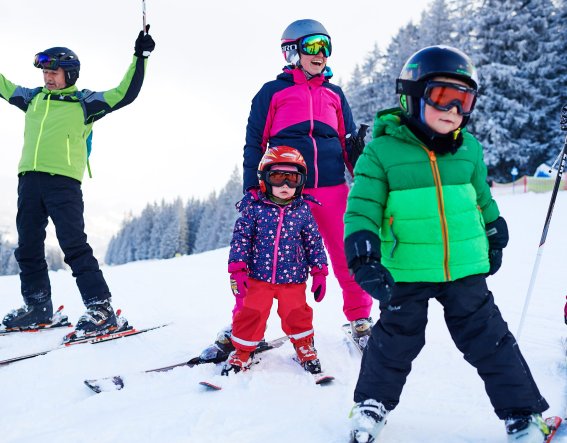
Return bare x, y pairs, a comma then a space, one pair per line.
44, 399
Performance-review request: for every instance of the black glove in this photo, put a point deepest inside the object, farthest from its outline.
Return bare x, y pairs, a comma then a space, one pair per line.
356, 146
497, 233
362, 250
144, 44
375, 279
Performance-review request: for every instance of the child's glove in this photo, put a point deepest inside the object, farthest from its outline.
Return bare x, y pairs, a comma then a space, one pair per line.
497, 233
565, 312
144, 44
319, 285
238, 278
374, 279
362, 250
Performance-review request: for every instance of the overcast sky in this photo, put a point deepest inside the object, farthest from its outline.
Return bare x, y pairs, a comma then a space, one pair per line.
184, 134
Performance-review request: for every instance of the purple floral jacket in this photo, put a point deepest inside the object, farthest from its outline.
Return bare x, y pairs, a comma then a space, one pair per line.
278, 243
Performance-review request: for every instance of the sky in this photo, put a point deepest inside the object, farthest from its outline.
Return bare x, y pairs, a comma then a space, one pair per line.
184, 134
276, 401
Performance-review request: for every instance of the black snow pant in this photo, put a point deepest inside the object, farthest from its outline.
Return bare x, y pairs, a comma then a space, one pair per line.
42, 195
478, 330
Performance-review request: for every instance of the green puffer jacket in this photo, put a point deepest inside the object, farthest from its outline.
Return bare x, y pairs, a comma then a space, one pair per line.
58, 122
429, 211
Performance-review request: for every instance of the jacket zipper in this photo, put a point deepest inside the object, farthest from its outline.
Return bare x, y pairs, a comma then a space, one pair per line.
441, 209
41, 132
277, 242
68, 152
311, 126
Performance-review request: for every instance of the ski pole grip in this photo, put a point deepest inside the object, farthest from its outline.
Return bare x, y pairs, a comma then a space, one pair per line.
564, 118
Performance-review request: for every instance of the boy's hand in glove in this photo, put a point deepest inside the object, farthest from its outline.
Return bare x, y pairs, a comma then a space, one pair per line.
362, 250
144, 44
497, 233
375, 279
319, 285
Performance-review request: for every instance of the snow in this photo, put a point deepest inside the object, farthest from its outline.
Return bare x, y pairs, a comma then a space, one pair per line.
44, 398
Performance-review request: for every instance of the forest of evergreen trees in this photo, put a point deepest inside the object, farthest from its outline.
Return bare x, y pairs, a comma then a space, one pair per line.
171, 229
518, 49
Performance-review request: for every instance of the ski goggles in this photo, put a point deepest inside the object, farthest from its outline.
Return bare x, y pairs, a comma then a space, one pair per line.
444, 96
313, 44
280, 178
45, 61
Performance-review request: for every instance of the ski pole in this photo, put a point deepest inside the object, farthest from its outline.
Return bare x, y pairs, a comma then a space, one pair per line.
144, 16
560, 170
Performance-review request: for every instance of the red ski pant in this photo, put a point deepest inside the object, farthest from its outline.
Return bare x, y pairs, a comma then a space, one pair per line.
329, 217
249, 323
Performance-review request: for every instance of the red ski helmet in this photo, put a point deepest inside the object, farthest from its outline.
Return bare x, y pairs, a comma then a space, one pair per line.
281, 155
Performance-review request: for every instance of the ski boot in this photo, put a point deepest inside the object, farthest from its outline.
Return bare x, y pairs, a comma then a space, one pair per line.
29, 316
526, 429
361, 330
238, 360
220, 349
307, 355
99, 319
368, 418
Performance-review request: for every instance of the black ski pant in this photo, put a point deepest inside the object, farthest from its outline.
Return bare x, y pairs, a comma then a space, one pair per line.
42, 195
478, 330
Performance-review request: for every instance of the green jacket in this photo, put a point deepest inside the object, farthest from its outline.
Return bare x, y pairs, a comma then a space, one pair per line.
58, 123
429, 211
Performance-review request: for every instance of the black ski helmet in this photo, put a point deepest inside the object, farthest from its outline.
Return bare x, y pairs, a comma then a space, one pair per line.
64, 58
427, 63
295, 31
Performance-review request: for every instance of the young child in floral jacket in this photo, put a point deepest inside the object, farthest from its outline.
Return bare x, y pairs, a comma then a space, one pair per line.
275, 243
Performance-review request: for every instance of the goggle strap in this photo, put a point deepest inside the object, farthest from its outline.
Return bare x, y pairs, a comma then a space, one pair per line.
410, 87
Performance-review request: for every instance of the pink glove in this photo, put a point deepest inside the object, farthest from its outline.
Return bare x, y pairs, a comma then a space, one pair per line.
319, 285
238, 278
565, 309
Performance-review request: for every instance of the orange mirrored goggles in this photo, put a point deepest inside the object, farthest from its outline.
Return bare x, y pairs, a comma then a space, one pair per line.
444, 96
290, 178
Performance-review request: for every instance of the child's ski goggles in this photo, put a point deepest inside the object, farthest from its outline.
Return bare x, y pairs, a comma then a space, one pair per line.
45, 61
290, 178
444, 96
313, 44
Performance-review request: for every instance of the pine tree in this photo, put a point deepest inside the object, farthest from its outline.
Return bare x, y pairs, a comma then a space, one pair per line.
512, 43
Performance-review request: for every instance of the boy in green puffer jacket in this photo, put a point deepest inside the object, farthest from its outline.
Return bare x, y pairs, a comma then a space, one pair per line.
420, 224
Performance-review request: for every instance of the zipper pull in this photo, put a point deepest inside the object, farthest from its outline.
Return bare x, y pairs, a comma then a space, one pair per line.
432, 156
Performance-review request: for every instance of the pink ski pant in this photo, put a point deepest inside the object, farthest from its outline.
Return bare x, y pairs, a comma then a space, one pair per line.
329, 216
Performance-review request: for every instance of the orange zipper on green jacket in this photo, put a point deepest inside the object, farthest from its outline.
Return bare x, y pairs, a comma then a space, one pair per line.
441, 209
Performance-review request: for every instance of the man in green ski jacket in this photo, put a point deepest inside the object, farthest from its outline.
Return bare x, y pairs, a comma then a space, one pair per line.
421, 224
58, 125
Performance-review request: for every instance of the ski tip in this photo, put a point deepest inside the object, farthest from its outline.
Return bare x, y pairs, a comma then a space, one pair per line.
60, 308
210, 386
118, 312
324, 379
93, 386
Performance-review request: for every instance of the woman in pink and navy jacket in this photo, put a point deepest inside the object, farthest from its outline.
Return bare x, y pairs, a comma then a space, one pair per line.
301, 108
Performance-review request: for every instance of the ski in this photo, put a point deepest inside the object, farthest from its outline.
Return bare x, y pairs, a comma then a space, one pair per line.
59, 320
320, 379
210, 386
347, 330
553, 423
115, 383
92, 339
